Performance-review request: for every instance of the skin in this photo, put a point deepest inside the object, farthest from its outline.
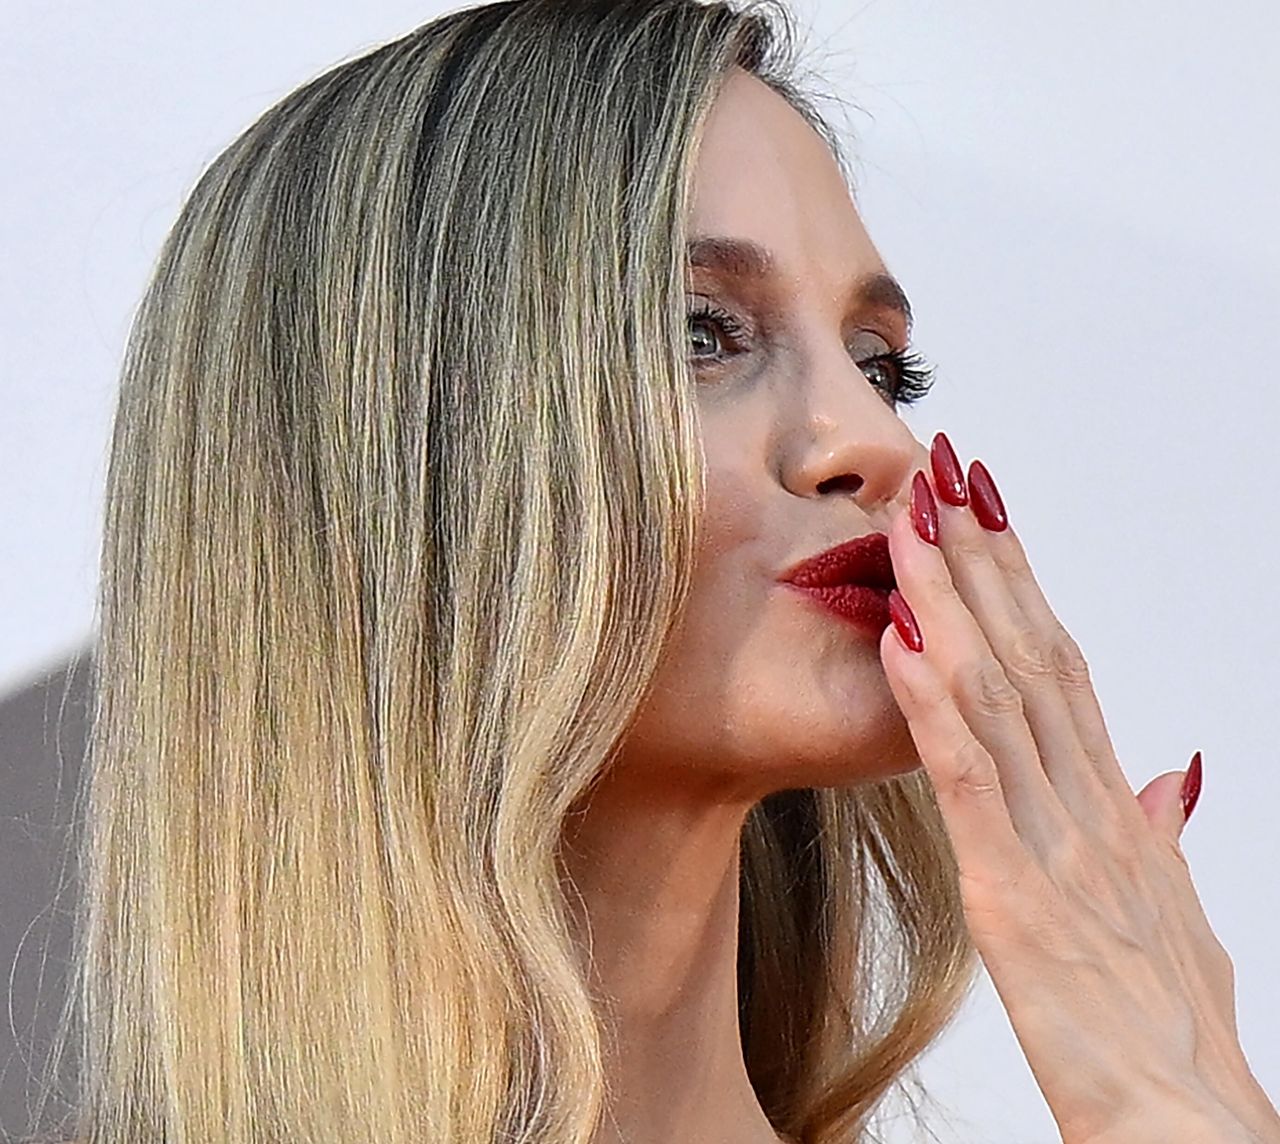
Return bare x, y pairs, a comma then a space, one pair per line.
1075, 890
760, 690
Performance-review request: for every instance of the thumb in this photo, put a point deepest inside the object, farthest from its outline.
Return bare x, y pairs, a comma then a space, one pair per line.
1162, 798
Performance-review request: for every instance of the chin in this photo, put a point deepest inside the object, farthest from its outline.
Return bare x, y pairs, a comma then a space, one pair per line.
879, 748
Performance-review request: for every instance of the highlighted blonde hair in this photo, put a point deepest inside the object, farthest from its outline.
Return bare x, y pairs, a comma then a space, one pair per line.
404, 490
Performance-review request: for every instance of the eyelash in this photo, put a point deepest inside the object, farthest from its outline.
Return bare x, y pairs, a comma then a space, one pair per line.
914, 371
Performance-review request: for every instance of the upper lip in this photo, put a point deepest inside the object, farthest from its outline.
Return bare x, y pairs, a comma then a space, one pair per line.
863, 560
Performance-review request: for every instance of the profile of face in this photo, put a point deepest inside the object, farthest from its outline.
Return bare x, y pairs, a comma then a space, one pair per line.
761, 689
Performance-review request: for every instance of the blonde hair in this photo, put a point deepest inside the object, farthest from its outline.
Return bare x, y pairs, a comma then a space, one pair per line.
404, 489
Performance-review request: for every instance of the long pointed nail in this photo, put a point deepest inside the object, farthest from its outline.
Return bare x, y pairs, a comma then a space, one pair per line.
905, 621
947, 474
1191, 787
924, 509
987, 505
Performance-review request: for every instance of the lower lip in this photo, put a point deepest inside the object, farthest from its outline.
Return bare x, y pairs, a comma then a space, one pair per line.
865, 608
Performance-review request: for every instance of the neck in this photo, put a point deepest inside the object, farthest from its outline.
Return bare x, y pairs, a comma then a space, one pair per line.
657, 871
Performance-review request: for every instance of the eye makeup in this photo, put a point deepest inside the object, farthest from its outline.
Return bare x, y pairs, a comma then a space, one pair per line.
909, 376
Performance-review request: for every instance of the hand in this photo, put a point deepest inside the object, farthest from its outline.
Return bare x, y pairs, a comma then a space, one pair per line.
1076, 892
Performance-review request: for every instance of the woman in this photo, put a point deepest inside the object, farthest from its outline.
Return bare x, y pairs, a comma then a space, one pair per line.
481, 754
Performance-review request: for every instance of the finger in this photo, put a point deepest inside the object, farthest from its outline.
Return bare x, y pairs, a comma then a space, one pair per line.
975, 684
968, 785
1024, 646
1072, 670
1161, 802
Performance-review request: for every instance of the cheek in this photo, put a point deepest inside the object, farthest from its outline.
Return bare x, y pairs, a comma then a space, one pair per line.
754, 688
733, 524
749, 698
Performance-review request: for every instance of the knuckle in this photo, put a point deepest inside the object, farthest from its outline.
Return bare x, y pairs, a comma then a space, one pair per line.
1026, 657
972, 770
985, 898
984, 688
1069, 663
1068, 859
1007, 905
1112, 833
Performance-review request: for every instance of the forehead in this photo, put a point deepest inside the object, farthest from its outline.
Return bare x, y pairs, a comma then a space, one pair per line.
763, 173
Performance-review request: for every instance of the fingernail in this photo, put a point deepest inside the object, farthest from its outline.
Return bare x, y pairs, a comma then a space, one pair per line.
987, 505
1190, 784
924, 509
947, 474
905, 621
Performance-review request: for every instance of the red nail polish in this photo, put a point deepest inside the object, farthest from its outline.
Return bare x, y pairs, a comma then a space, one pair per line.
905, 621
1190, 784
987, 505
924, 509
947, 474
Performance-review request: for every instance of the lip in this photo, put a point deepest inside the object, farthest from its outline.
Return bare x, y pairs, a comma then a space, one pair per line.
851, 580
863, 561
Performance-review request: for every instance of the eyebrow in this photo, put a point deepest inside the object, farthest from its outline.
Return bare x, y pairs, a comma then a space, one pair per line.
746, 259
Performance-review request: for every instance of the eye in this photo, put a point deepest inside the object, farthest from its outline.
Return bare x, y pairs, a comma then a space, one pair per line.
711, 317
903, 377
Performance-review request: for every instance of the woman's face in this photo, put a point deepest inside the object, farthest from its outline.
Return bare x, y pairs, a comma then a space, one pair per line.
761, 689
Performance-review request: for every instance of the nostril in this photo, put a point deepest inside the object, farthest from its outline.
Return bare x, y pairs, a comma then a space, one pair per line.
848, 481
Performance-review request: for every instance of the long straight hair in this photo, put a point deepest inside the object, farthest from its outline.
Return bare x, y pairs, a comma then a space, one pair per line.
404, 489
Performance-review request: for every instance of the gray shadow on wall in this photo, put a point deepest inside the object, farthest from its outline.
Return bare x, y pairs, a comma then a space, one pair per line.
43, 737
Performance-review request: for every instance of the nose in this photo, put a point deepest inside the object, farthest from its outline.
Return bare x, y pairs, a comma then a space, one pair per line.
849, 441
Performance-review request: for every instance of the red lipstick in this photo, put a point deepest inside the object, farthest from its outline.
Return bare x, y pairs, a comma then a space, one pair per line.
852, 580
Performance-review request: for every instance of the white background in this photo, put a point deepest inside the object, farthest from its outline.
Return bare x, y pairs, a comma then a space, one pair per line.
1080, 201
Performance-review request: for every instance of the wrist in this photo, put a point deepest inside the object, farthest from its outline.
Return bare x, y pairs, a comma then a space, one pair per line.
1185, 1126
1252, 1108
1190, 1116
